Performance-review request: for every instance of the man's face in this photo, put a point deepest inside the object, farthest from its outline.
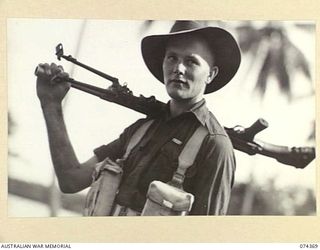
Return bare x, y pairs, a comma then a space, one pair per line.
187, 68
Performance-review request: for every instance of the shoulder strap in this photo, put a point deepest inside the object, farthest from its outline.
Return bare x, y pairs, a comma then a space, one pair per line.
136, 137
188, 155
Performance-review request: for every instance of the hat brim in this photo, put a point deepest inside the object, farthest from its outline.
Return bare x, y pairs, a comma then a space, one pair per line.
225, 48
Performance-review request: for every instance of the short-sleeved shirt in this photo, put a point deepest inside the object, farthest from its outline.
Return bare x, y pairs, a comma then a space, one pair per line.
155, 157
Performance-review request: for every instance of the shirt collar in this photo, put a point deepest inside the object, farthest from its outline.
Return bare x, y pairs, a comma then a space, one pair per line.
202, 114
206, 118
199, 110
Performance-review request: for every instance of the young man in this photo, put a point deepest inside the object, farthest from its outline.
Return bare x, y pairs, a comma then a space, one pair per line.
190, 61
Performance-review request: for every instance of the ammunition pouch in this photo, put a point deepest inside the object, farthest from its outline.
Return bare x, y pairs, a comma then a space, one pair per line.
101, 196
164, 200
169, 198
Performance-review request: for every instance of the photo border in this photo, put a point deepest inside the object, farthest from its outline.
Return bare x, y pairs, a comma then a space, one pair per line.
153, 229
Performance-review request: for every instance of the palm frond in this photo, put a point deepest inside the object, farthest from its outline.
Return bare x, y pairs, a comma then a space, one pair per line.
284, 59
281, 72
305, 26
261, 84
248, 38
146, 25
11, 124
297, 59
312, 135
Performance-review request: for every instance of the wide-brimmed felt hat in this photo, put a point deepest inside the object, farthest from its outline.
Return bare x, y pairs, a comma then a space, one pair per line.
224, 47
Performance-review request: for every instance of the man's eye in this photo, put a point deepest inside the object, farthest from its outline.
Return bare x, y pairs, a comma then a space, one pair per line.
191, 62
170, 58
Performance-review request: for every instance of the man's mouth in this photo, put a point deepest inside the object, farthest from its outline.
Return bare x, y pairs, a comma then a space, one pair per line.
179, 82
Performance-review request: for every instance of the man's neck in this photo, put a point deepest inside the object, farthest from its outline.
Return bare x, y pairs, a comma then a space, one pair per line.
179, 107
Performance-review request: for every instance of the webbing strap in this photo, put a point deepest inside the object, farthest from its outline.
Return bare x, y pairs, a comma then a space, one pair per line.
137, 136
188, 154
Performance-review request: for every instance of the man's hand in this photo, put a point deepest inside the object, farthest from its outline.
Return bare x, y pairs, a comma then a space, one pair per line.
50, 91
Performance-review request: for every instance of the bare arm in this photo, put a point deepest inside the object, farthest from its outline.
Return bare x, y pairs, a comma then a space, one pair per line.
72, 175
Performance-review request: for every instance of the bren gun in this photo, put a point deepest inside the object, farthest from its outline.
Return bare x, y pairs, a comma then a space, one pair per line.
243, 139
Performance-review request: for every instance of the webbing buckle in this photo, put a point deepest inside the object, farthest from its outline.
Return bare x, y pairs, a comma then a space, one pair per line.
177, 180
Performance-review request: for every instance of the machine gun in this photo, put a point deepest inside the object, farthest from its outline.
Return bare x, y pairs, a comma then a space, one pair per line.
243, 139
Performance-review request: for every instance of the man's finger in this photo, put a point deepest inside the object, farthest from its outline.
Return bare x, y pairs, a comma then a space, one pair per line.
47, 69
56, 69
60, 67
63, 74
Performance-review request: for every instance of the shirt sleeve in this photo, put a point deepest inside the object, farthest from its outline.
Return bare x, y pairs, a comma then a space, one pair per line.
215, 176
116, 149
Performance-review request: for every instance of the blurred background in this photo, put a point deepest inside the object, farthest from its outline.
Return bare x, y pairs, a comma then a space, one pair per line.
275, 82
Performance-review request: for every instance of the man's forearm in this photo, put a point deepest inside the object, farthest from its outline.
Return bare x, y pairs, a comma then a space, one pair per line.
62, 154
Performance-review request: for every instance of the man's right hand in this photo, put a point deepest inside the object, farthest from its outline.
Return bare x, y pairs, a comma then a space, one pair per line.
49, 91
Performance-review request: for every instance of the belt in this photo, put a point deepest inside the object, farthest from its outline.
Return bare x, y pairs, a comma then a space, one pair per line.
124, 211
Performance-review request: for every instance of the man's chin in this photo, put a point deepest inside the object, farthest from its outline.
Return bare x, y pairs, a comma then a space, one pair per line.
178, 96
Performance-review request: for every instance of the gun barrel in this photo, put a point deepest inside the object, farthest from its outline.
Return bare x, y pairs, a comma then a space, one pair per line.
298, 157
59, 54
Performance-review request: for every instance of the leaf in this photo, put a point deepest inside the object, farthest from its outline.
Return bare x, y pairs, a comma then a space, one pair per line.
248, 38
11, 124
281, 73
261, 84
312, 135
146, 25
299, 59
305, 26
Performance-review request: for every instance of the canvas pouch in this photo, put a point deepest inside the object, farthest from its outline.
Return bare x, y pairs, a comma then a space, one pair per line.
166, 200
101, 196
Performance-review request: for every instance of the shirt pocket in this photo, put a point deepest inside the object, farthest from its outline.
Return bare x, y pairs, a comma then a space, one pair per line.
165, 163
170, 153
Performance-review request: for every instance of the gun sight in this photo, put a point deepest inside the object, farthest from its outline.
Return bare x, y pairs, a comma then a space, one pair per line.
59, 51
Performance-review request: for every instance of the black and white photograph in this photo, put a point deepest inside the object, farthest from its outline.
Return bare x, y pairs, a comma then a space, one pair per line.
161, 117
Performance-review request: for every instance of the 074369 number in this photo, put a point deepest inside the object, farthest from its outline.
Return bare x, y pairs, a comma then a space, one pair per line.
310, 245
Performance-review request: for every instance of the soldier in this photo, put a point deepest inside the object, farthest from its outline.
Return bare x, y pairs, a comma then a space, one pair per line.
190, 61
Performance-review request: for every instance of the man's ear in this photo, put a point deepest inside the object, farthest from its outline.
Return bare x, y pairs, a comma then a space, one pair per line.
213, 73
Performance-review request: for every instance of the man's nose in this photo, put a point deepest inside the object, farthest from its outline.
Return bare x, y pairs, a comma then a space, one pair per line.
179, 68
